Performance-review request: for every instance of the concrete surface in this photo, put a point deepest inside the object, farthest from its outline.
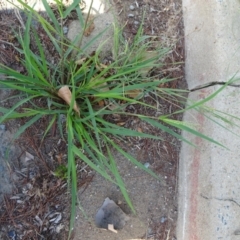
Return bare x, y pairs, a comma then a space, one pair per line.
212, 40
209, 180
209, 176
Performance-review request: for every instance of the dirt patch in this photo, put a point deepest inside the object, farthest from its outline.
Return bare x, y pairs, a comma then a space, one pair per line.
44, 196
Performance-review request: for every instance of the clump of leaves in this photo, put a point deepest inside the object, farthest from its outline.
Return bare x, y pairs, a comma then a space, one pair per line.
86, 90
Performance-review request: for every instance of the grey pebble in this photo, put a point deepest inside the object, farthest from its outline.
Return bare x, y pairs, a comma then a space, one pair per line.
131, 7
136, 22
65, 30
2, 127
110, 213
146, 165
12, 234
163, 219
149, 231
152, 9
130, 15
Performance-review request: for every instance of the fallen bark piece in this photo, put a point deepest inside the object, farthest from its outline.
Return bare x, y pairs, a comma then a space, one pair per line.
65, 93
110, 216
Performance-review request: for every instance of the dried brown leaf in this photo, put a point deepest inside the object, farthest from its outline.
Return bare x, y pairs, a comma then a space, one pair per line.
133, 93
101, 67
121, 123
65, 93
101, 103
80, 61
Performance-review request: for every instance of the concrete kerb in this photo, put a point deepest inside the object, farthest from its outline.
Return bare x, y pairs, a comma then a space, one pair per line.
212, 40
209, 176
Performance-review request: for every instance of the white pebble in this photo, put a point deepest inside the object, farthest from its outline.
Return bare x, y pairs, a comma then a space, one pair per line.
130, 15
65, 30
146, 165
131, 7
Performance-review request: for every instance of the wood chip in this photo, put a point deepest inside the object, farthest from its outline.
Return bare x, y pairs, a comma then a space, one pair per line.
111, 228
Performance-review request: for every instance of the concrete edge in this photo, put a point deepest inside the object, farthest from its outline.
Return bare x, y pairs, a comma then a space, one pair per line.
209, 175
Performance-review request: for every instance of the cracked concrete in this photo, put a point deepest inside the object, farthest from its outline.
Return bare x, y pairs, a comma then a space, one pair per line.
221, 199
211, 40
207, 85
209, 175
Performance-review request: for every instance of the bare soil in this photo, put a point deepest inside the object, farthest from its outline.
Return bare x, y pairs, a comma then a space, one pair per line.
38, 207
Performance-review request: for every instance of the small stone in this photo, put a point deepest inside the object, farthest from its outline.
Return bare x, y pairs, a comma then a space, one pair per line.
131, 7
150, 231
65, 30
12, 234
146, 165
130, 15
163, 219
2, 127
110, 214
152, 9
136, 22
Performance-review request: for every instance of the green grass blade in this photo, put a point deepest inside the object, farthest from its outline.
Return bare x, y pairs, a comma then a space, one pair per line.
165, 129
92, 165
119, 180
120, 131
6, 115
136, 162
27, 125
73, 6
94, 124
51, 15
53, 120
72, 179
44, 67
183, 127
